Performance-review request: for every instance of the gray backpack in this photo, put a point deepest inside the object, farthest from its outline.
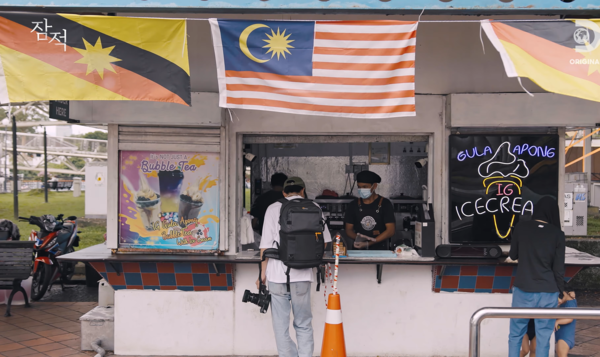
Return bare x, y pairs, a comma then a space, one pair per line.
301, 241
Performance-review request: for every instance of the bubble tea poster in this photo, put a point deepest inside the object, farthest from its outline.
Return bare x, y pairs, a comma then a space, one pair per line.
169, 200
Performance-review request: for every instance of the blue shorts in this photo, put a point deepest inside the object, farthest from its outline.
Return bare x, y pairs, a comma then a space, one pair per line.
567, 334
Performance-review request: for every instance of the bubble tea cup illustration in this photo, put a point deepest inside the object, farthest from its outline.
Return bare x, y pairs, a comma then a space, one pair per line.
170, 186
503, 176
190, 203
148, 203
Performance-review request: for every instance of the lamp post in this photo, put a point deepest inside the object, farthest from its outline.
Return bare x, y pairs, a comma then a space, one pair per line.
15, 169
5, 122
45, 167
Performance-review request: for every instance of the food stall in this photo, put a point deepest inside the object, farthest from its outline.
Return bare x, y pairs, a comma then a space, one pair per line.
179, 286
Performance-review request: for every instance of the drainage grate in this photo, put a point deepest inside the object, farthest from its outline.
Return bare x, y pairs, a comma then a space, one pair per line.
579, 221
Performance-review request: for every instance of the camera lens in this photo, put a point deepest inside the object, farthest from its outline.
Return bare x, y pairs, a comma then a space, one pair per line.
246, 296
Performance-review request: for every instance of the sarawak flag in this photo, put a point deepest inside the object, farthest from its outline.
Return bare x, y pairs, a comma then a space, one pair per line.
560, 56
72, 57
355, 69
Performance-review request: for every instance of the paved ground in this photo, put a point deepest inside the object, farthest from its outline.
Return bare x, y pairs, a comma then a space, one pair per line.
52, 329
587, 339
46, 329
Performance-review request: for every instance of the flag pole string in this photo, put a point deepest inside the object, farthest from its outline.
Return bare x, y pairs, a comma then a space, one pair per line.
418, 20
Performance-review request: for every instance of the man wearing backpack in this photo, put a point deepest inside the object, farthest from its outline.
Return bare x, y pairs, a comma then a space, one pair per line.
295, 295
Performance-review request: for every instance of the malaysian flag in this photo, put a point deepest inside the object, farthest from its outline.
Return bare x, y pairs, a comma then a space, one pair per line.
354, 69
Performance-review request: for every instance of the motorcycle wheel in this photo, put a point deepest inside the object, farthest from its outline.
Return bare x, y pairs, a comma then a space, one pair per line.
68, 268
41, 281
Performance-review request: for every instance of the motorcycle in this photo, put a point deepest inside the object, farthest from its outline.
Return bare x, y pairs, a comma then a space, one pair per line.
56, 236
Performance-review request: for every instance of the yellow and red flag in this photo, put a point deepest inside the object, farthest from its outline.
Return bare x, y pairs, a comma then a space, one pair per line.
560, 56
73, 57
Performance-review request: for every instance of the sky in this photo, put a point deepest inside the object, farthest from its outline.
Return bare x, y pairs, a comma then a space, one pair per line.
76, 130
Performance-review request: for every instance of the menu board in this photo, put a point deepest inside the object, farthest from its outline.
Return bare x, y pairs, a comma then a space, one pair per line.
169, 200
495, 182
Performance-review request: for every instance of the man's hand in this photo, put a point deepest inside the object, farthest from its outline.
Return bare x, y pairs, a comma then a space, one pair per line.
361, 245
363, 238
263, 278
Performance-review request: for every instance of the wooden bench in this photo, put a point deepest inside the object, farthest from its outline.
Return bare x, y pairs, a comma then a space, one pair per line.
16, 258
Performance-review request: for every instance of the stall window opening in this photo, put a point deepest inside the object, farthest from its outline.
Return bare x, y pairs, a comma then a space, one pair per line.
329, 170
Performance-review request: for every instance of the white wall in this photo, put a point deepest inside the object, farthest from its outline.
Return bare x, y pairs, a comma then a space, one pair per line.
96, 191
521, 110
399, 317
171, 323
204, 111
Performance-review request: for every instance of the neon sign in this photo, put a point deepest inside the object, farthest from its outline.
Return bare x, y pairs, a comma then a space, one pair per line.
531, 150
503, 173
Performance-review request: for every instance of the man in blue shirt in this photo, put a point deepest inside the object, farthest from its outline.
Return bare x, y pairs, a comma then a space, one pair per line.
565, 328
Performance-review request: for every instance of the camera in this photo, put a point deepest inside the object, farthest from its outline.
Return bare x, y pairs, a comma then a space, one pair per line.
262, 299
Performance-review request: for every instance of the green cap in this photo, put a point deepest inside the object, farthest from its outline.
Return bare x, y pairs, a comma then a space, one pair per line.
294, 181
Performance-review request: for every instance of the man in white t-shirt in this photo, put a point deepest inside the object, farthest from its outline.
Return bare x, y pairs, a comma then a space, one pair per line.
298, 298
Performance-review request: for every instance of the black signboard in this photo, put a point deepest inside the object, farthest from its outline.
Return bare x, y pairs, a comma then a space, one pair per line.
496, 180
59, 109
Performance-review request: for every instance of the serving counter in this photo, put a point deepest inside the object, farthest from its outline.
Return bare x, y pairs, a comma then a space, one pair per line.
213, 321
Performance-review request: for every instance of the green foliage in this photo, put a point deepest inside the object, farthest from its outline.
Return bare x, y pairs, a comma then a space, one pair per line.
78, 162
32, 113
32, 204
98, 135
593, 226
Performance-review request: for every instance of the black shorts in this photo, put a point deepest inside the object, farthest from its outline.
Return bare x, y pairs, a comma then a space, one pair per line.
531, 329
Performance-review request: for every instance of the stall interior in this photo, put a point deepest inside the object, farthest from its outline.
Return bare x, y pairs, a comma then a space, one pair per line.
328, 167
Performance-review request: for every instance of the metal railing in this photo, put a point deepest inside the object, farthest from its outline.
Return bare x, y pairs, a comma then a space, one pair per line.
522, 313
25, 186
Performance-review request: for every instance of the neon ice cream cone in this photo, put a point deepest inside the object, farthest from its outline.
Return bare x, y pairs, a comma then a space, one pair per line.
504, 173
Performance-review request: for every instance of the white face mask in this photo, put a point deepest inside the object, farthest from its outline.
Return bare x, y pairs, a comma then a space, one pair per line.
364, 193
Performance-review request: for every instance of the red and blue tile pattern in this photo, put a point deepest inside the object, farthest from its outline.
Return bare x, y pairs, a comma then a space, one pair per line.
481, 279
166, 276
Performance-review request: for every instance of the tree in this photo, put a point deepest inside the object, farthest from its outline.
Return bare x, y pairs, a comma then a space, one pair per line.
98, 135
36, 111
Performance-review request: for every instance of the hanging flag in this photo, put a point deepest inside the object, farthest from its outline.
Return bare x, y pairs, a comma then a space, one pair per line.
72, 57
560, 56
355, 69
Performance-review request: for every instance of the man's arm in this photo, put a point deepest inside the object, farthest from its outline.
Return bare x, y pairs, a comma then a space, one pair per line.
263, 275
390, 229
268, 238
350, 231
564, 321
256, 211
514, 246
558, 266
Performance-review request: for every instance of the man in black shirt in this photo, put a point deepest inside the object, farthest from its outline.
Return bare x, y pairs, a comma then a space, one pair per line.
370, 220
539, 247
259, 208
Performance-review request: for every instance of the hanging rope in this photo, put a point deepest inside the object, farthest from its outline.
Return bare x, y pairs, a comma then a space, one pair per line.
519, 78
481, 36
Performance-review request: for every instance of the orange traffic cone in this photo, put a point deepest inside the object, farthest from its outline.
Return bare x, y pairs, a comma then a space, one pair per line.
333, 337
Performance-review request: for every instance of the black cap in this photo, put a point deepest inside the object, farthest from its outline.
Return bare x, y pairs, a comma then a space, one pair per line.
368, 177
